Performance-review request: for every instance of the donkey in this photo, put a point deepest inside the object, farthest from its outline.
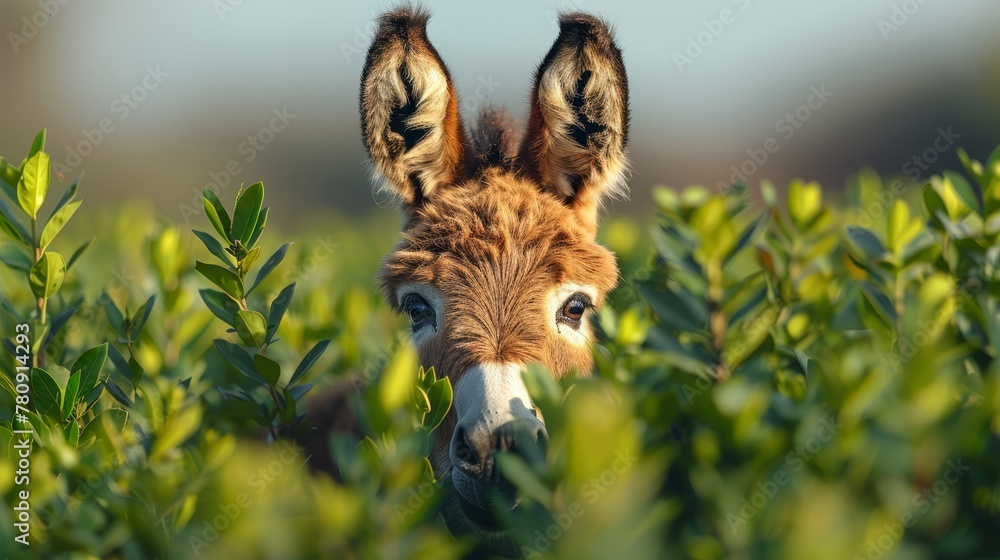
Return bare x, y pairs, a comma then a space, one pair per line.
498, 266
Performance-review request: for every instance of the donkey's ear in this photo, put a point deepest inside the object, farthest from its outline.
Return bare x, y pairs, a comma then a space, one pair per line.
409, 111
578, 126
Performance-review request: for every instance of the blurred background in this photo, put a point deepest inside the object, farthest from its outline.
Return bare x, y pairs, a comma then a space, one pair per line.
158, 100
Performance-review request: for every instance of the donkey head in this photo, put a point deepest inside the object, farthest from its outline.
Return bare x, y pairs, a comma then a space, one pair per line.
498, 266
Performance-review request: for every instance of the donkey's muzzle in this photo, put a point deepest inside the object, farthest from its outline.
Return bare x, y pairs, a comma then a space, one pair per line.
476, 473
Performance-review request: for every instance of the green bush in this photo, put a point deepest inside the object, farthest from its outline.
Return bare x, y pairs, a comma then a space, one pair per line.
775, 379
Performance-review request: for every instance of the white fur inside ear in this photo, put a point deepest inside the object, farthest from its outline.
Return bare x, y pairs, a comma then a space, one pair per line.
433, 298
557, 299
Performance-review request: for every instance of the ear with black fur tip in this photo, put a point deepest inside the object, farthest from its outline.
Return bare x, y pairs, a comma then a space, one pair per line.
578, 127
409, 110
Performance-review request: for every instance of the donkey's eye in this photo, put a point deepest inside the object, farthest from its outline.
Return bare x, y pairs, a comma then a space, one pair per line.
420, 312
573, 309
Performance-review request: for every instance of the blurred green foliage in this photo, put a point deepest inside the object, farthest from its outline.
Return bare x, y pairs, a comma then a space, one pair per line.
777, 377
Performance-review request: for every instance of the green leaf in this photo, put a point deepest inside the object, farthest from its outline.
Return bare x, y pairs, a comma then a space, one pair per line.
89, 364
259, 228
682, 312
46, 391
214, 247
899, 229
14, 257
221, 305
69, 397
115, 317
744, 338
67, 196
135, 371
805, 201
239, 359
249, 260
964, 190
269, 369
79, 251
34, 184
73, 434
47, 275
224, 278
251, 327
441, 395
10, 225
140, 317
38, 144
272, 262
308, 361
517, 471
881, 302
56, 223
421, 400
9, 177
866, 241
277, 311
178, 428
247, 212
106, 427
217, 214
118, 393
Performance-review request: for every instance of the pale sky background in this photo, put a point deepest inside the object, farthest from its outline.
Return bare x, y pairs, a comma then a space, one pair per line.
223, 73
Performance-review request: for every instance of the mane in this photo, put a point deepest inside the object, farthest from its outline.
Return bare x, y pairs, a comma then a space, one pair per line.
495, 142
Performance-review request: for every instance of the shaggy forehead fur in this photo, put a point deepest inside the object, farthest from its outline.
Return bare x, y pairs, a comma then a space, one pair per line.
494, 246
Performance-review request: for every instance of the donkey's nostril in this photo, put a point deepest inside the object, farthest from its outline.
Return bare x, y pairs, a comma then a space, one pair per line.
469, 457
